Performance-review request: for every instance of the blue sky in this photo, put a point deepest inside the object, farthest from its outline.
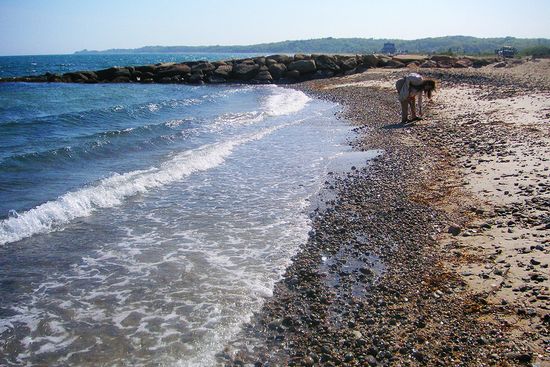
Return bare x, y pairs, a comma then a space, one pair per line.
65, 26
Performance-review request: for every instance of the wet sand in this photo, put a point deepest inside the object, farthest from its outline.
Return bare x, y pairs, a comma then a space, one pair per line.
437, 253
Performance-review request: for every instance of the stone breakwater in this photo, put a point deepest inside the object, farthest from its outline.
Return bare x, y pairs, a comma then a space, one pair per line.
257, 70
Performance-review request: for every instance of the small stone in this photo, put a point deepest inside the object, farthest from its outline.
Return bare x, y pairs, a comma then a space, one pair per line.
454, 229
371, 360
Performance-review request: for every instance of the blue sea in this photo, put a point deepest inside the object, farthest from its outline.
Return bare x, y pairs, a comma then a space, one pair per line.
144, 224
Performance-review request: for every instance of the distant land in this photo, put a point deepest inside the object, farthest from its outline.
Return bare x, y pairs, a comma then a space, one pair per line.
448, 44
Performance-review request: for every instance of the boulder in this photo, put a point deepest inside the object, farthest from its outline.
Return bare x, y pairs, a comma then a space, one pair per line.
205, 67
112, 73
283, 59
223, 71
53, 78
263, 77
260, 60
270, 62
299, 57
370, 61
407, 59
442, 59
463, 63
444, 64
216, 79
245, 71
383, 60
165, 80
394, 64
293, 74
349, 63
413, 65
277, 71
246, 61
89, 74
76, 77
322, 74
196, 77
174, 70
303, 66
325, 62
146, 68
479, 62
121, 79
428, 64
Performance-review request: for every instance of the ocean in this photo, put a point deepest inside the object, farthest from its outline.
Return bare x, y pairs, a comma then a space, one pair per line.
144, 224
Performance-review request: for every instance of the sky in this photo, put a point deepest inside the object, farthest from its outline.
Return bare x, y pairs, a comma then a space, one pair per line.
33, 27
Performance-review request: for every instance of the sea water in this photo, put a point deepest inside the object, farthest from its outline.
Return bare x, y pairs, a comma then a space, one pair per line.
144, 224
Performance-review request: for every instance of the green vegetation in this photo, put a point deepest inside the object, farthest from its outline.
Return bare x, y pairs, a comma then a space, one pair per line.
456, 45
536, 51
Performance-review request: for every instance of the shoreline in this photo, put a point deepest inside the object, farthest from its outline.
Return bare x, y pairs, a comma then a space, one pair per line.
413, 232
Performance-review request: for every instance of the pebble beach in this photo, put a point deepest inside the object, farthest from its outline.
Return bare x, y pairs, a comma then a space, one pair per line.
436, 253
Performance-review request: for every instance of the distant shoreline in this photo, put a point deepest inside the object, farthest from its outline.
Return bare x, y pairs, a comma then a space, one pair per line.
463, 45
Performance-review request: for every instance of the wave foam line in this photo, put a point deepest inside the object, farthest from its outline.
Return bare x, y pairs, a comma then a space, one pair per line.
113, 190
285, 101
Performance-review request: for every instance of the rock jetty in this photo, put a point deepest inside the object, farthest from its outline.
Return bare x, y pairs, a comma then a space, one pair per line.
281, 69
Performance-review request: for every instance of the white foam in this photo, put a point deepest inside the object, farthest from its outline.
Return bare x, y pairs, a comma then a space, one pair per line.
285, 101
112, 191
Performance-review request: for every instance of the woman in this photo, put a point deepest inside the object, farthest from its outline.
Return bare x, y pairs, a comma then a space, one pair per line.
409, 88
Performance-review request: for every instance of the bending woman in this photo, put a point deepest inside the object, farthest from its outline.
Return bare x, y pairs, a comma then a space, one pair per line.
410, 87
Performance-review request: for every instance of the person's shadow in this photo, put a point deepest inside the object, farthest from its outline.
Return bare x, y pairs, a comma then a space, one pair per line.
399, 125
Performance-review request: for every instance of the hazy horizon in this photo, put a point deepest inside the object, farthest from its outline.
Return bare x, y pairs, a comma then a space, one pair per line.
35, 27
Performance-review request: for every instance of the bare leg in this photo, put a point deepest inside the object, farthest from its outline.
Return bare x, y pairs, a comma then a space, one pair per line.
412, 102
404, 111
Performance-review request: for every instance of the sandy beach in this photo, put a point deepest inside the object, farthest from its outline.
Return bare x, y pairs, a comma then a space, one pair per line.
437, 253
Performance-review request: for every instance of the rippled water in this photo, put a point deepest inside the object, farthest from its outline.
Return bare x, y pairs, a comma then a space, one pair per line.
142, 225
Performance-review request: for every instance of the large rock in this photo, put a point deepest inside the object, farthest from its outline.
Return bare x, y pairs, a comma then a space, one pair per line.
325, 62
395, 64
383, 60
283, 59
428, 64
223, 71
174, 70
205, 67
277, 71
407, 59
245, 71
293, 74
146, 68
196, 77
270, 62
112, 73
121, 79
443, 59
76, 77
349, 63
463, 63
260, 61
303, 66
263, 77
370, 61
216, 79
